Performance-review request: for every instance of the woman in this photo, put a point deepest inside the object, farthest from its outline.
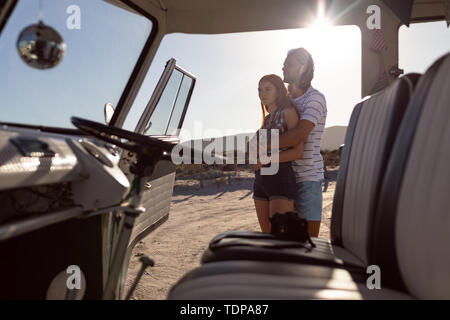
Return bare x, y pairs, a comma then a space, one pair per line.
276, 193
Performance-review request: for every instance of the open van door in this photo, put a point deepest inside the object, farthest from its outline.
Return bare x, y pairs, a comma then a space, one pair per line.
162, 119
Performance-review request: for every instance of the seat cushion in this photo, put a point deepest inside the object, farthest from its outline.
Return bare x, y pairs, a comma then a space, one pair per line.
374, 135
236, 280
241, 245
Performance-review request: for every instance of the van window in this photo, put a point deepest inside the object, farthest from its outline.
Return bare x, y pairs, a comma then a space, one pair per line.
421, 44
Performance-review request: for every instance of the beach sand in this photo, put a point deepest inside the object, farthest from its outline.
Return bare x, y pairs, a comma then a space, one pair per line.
196, 216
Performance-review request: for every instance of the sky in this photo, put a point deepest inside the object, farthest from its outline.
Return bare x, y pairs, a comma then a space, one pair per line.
98, 61
228, 68
100, 57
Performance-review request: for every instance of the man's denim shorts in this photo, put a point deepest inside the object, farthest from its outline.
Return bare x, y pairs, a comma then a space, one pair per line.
278, 186
309, 200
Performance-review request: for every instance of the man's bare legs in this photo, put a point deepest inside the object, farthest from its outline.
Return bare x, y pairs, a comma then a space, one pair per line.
313, 228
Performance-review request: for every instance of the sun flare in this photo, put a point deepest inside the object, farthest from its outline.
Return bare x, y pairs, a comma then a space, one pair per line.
320, 24
319, 33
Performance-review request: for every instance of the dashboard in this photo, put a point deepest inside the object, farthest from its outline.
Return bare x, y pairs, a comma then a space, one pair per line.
43, 174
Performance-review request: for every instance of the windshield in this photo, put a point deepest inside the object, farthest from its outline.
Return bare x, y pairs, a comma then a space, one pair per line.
103, 44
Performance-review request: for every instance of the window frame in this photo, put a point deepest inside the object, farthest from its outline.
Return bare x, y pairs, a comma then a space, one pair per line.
171, 66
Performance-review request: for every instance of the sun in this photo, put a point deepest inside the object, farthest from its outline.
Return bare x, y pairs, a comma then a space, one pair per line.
320, 24
320, 21
319, 33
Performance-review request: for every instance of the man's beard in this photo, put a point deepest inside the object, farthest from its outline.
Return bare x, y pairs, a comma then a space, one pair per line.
287, 80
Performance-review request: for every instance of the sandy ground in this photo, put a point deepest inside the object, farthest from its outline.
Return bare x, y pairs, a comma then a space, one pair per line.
196, 216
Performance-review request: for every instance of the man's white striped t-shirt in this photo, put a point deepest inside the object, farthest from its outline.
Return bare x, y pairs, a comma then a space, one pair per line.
311, 106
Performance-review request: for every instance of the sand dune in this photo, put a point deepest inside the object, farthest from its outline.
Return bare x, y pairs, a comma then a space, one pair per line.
196, 216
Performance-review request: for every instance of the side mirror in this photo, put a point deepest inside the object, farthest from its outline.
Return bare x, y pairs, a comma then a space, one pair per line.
147, 127
109, 111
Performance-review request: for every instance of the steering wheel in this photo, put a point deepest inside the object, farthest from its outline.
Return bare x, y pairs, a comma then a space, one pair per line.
145, 147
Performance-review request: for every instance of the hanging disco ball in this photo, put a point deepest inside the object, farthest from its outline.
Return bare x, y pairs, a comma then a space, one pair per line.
40, 46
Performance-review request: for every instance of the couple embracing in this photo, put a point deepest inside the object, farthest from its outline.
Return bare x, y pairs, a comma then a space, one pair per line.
299, 114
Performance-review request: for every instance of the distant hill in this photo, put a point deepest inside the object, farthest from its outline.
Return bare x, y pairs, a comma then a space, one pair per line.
201, 144
333, 137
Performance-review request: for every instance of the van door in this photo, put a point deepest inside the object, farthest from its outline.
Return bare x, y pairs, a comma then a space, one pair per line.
162, 119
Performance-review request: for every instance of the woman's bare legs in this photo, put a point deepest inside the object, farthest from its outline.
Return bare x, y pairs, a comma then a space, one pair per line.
280, 206
266, 209
262, 211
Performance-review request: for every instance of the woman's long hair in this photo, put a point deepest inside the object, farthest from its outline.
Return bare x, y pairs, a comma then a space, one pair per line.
282, 99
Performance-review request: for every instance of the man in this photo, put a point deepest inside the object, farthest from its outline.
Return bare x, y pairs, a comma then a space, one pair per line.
298, 71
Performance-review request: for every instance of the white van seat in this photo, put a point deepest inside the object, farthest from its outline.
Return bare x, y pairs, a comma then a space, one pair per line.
414, 211
258, 280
